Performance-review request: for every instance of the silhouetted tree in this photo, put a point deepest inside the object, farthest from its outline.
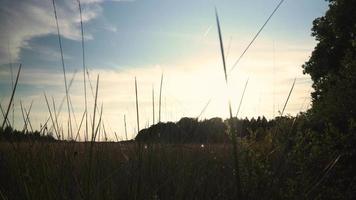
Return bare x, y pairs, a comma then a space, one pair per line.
332, 65
10, 134
214, 130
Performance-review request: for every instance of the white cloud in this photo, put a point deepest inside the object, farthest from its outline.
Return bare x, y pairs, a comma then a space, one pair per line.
21, 21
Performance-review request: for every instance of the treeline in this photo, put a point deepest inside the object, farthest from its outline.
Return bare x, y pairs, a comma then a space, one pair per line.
10, 134
215, 130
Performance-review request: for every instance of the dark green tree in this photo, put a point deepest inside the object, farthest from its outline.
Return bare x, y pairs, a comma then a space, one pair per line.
332, 65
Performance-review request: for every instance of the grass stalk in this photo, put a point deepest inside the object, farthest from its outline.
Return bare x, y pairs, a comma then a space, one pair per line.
153, 105
70, 130
7, 122
290, 92
12, 82
160, 99
84, 70
242, 97
88, 185
125, 127
56, 114
94, 111
51, 116
104, 130
99, 124
203, 110
274, 79
137, 109
139, 170
117, 139
24, 129
257, 34
80, 126
12, 96
73, 113
28, 115
233, 133
62, 101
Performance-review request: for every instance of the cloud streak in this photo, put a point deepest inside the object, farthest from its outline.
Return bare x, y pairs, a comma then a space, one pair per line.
20, 21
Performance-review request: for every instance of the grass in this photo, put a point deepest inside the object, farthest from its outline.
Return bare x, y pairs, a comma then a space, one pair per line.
70, 128
269, 168
232, 127
257, 34
153, 105
84, 70
160, 99
242, 98
115, 172
290, 92
137, 109
12, 97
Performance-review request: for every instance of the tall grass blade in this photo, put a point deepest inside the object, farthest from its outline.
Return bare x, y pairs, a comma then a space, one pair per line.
73, 113
93, 134
95, 107
56, 115
25, 116
12, 82
137, 109
12, 96
104, 131
290, 92
203, 110
70, 130
28, 115
80, 126
304, 101
24, 129
242, 97
274, 80
228, 49
257, 34
99, 123
84, 70
51, 116
233, 133
125, 127
153, 105
7, 122
160, 99
221, 45
62, 101
326, 171
117, 139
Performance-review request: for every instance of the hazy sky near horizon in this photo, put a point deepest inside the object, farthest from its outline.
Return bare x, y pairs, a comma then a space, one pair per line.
143, 38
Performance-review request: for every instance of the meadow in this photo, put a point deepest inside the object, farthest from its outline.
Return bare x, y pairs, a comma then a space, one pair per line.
285, 161
307, 156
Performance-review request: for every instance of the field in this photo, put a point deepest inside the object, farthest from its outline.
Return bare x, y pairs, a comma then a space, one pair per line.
116, 171
272, 165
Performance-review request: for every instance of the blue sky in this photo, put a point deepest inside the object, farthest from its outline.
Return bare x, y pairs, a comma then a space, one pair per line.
144, 38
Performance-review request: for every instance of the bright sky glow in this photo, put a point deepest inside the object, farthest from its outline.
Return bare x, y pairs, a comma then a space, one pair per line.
144, 38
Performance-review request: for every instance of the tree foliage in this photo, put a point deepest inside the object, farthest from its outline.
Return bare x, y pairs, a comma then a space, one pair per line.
332, 65
12, 135
214, 130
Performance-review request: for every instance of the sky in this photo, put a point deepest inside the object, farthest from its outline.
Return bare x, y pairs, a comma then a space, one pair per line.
125, 39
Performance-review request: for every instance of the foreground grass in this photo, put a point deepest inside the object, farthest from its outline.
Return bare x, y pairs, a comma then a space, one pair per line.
60, 171
284, 162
